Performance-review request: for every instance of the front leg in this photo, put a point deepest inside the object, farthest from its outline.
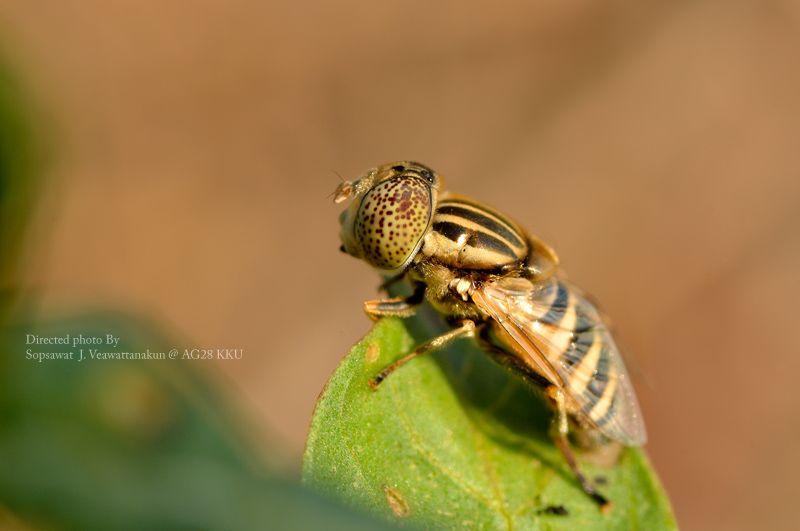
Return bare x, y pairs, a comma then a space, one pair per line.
465, 329
397, 306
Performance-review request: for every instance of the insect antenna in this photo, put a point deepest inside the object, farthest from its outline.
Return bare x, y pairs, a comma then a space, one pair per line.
343, 191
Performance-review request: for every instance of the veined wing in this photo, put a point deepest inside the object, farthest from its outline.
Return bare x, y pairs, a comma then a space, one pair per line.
564, 335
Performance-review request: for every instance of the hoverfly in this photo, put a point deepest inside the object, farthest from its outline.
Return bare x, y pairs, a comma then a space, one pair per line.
498, 285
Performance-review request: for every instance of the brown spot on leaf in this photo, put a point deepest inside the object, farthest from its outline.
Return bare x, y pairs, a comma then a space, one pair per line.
372, 352
398, 505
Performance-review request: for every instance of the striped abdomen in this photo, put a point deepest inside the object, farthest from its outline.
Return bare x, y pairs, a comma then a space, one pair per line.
586, 353
466, 234
558, 333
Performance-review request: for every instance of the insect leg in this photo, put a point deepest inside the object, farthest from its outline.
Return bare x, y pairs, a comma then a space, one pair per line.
467, 329
397, 306
559, 431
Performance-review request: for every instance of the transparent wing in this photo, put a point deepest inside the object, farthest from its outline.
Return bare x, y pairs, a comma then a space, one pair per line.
563, 334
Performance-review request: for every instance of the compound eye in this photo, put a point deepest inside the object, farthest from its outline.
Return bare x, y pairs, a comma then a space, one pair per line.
392, 220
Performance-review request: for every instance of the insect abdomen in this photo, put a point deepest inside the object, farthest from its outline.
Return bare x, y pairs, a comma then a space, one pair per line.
584, 351
466, 234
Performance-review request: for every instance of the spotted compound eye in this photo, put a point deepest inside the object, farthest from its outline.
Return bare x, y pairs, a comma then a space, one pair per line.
392, 220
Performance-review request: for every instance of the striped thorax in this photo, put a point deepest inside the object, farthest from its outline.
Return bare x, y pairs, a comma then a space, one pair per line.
466, 234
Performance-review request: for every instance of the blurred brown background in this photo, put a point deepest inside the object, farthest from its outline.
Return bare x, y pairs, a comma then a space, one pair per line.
654, 144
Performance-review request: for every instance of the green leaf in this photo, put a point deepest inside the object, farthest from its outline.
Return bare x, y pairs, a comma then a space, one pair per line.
21, 160
453, 441
123, 444
131, 444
